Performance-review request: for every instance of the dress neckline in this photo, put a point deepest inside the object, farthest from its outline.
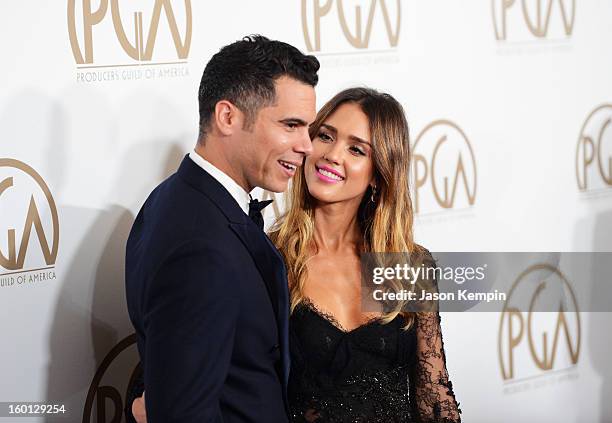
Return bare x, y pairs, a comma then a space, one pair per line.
331, 319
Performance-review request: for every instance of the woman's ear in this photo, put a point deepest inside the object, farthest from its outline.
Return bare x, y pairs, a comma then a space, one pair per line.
373, 183
373, 191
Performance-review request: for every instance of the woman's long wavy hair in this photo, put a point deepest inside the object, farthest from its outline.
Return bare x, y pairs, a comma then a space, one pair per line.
386, 223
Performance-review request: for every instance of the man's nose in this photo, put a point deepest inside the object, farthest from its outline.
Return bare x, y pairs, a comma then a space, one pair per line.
305, 144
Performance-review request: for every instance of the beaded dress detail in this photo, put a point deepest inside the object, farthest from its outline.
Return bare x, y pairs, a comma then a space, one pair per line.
374, 373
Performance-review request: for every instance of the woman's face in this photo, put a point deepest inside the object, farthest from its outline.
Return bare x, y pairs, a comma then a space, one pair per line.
340, 167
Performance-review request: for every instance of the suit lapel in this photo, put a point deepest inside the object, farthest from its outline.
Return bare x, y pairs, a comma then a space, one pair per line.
283, 310
267, 259
272, 269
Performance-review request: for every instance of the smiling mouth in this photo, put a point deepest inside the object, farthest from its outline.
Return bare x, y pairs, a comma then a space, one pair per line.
329, 174
287, 165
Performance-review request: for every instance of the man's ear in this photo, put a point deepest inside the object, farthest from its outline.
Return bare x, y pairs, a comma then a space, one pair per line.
227, 117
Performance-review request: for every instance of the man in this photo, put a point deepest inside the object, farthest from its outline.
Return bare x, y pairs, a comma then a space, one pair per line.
206, 289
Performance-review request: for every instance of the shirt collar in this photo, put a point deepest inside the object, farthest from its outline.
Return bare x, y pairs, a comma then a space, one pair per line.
237, 192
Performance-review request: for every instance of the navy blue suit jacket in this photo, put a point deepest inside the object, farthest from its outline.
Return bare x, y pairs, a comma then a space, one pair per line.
207, 294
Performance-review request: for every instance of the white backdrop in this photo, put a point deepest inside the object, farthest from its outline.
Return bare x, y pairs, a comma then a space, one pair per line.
98, 106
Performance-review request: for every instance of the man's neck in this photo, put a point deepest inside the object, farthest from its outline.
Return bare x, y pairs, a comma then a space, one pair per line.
211, 152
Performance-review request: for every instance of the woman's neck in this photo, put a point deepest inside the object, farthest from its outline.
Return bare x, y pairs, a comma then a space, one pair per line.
336, 228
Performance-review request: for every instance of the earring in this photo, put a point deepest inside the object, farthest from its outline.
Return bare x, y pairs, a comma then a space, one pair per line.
373, 194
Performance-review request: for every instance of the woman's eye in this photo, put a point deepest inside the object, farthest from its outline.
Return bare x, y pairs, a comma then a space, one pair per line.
358, 150
324, 137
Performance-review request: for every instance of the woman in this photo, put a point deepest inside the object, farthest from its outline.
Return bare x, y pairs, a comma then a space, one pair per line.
352, 197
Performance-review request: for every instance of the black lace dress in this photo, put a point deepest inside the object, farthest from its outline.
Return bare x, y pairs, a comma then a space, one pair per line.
374, 373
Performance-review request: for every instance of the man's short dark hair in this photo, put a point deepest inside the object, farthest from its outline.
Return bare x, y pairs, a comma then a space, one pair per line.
244, 73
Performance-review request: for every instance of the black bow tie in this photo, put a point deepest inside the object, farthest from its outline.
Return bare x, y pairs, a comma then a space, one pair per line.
255, 208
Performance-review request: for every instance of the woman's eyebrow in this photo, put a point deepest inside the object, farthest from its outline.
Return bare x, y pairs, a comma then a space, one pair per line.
351, 137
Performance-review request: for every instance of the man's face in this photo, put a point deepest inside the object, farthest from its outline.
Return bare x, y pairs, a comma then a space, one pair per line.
277, 142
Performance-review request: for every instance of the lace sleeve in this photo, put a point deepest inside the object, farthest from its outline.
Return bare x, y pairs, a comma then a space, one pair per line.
432, 391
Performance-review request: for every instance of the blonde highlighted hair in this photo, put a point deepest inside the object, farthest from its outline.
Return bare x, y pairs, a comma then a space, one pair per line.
386, 223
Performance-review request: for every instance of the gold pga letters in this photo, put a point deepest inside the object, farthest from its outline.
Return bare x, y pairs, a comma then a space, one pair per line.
16, 257
141, 49
536, 18
360, 37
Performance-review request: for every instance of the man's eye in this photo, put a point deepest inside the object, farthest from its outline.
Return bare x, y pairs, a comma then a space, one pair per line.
291, 125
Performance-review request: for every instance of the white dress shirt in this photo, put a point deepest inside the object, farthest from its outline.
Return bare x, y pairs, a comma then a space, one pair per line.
237, 192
